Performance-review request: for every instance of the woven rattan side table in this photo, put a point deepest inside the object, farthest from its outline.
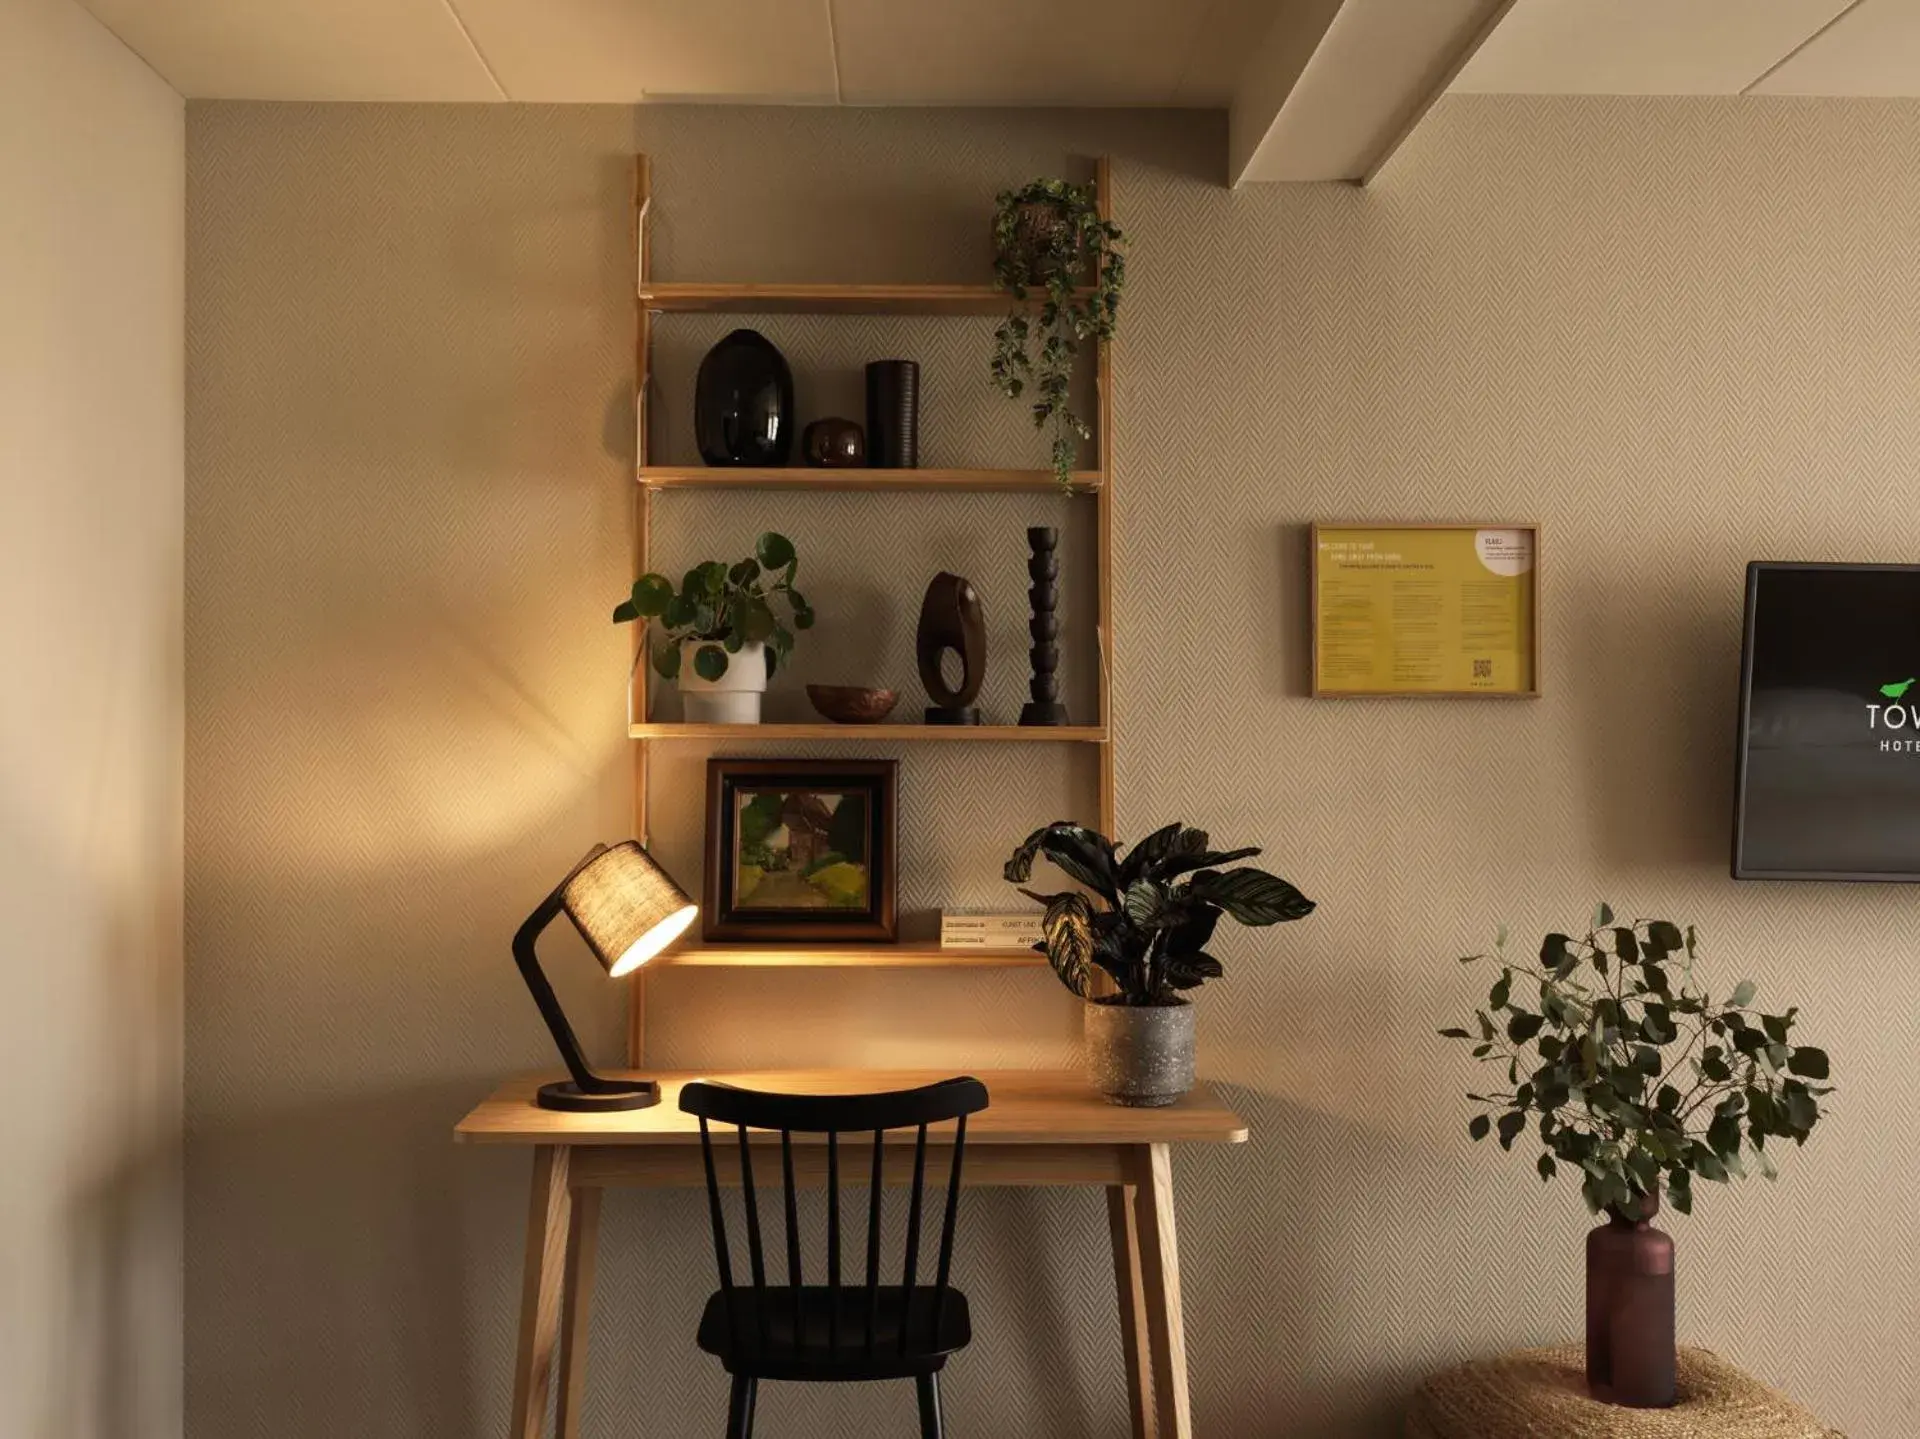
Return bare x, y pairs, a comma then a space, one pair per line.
1542, 1394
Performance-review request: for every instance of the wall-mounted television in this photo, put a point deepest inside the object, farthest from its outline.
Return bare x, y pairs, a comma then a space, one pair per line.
1828, 754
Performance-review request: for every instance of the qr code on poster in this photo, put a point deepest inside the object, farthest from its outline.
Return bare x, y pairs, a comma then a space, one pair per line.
1483, 669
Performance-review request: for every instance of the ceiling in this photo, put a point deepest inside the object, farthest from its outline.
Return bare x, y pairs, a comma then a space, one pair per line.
1701, 47
1314, 89
854, 52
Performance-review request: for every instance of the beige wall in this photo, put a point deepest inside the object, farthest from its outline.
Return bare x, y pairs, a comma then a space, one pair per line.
1680, 334
92, 251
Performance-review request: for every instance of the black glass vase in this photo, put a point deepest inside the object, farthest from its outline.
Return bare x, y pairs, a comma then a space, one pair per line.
743, 403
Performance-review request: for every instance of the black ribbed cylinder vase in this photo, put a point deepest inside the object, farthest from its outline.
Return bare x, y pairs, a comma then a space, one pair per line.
893, 415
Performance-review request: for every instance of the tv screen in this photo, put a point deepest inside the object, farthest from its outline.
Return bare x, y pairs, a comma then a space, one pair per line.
1828, 781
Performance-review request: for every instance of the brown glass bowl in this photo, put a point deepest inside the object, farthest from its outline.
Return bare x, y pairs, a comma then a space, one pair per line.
849, 704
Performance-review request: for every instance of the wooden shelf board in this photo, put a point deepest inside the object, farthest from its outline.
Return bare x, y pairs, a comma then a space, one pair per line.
911, 733
910, 955
828, 299
800, 477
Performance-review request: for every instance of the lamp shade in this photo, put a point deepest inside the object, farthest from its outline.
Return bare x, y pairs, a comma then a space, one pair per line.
626, 907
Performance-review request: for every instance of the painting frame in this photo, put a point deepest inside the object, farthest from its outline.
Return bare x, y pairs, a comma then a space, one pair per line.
1381, 532
733, 784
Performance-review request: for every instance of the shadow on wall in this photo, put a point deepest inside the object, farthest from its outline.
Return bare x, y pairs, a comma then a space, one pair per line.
1294, 592
121, 1257
1656, 743
323, 1295
1333, 1179
93, 1045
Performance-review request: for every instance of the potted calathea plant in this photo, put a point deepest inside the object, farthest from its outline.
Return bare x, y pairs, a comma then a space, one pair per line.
1050, 240
1145, 926
1634, 1077
720, 637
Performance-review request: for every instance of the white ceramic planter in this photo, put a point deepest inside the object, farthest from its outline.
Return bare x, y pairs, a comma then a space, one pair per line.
734, 698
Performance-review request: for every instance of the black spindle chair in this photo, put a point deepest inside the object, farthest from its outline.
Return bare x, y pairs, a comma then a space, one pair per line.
833, 1332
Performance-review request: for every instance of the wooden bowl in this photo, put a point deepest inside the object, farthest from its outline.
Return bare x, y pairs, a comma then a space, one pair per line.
849, 704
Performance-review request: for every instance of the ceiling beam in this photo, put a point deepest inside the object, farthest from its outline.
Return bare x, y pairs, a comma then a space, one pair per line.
1338, 85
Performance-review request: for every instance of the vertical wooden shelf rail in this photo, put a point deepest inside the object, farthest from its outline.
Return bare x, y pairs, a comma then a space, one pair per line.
1103, 511
638, 696
905, 299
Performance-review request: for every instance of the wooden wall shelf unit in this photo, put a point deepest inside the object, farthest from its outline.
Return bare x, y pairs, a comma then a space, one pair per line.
798, 477
922, 954
655, 298
825, 299
891, 733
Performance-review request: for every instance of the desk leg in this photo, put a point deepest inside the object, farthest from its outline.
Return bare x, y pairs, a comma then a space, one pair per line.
548, 1219
1152, 1170
583, 1248
1133, 1317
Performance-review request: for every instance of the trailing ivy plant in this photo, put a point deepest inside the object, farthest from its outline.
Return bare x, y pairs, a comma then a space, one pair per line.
720, 608
1630, 1070
1162, 900
1049, 238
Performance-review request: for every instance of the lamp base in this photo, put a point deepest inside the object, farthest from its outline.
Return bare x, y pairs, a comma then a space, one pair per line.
642, 1094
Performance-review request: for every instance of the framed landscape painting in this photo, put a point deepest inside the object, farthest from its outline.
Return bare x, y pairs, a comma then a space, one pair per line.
800, 851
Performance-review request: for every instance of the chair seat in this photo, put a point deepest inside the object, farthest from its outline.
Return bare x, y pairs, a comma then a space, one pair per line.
825, 1352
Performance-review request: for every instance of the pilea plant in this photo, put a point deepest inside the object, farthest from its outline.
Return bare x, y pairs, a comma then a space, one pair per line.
1630, 1070
1049, 238
720, 608
1163, 899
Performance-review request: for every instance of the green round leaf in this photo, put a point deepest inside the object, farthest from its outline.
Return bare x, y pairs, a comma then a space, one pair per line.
666, 660
745, 571
754, 621
652, 594
709, 662
775, 550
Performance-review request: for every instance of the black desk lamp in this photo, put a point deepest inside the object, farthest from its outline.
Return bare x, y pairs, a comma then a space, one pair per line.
627, 909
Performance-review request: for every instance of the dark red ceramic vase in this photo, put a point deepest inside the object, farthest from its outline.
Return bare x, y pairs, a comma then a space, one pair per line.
1630, 1348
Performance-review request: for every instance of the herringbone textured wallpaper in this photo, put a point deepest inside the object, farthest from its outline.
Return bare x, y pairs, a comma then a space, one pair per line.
1679, 334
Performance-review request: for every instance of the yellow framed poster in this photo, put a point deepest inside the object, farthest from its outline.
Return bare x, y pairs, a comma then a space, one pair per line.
1426, 609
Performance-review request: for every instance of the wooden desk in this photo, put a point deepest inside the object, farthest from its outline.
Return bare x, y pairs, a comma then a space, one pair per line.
1043, 1128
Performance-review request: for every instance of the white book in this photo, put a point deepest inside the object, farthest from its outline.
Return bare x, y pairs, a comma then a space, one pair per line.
976, 929
987, 941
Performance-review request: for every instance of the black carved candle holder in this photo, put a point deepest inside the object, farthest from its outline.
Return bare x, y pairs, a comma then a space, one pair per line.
1043, 569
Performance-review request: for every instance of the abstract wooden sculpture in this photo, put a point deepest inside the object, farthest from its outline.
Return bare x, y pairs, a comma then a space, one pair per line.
951, 619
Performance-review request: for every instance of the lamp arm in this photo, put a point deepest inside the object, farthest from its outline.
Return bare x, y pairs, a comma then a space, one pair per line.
543, 996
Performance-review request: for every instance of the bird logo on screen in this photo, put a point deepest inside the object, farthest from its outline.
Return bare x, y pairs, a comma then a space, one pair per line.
1894, 691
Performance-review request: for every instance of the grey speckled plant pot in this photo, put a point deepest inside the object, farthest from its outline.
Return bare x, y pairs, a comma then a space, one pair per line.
1140, 1055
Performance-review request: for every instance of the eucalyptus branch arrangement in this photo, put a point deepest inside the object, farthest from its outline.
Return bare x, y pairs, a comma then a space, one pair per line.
1631, 1070
1049, 237
1162, 900
721, 608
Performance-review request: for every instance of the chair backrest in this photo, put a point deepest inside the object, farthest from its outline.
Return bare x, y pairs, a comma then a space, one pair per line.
950, 1100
